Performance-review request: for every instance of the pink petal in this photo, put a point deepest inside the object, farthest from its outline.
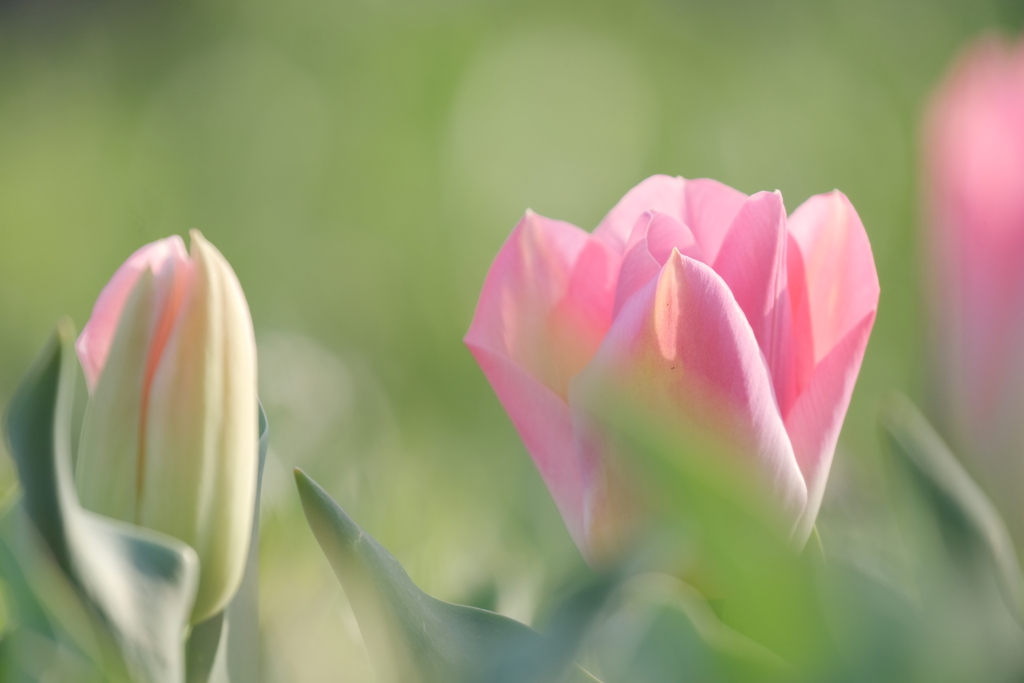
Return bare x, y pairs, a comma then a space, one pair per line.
817, 416
752, 261
682, 345
649, 247
660, 193
94, 342
541, 418
706, 207
833, 287
833, 284
665, 234
545, 306
578, 322
709, 210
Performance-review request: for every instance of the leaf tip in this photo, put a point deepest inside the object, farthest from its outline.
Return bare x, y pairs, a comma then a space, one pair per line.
65, 330
326, 518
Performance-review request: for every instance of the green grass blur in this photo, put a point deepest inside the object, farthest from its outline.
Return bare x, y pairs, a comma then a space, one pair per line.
360, 162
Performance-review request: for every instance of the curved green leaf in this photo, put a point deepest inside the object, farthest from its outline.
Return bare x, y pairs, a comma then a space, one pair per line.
140, 584
959, 499
411, 636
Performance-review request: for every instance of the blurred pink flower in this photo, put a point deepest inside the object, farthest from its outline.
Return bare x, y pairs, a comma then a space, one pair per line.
974, 212
694, 295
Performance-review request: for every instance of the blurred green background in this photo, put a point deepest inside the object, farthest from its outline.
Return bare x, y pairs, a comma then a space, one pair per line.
360, 162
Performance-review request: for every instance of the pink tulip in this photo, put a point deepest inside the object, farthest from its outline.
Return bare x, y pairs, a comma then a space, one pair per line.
974, 209
694, 296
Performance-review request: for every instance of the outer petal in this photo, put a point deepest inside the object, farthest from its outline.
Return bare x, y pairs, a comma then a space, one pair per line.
833, 283
817, 417
106, 473
544, 308
834, 291
752, 261
683, 346
94, 342
541, 418
199, 473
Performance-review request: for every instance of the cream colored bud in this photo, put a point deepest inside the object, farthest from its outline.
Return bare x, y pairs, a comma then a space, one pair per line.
169, 440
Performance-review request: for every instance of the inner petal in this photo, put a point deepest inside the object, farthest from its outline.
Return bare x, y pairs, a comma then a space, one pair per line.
650, 245
665, 233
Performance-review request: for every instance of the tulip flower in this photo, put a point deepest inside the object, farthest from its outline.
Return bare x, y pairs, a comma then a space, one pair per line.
974, 215
692, 295
169, 439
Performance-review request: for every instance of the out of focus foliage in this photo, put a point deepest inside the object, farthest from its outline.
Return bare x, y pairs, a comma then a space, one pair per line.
360, 162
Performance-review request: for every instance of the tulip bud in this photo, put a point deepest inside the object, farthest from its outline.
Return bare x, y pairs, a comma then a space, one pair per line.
169, 439
974, 209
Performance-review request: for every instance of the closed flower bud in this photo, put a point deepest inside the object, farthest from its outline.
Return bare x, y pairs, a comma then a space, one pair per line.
169, 440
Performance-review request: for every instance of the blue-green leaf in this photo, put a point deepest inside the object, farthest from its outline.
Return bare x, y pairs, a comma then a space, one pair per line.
206, 652
139, 584
411, 636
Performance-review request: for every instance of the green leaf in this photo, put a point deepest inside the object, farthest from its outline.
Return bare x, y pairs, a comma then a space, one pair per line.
206, 652
29, 612
138, 583
715, 525
411, 636
55, 634
959, 501
665, 631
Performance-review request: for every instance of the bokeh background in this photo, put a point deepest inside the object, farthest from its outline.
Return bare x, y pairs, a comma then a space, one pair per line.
360, 162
